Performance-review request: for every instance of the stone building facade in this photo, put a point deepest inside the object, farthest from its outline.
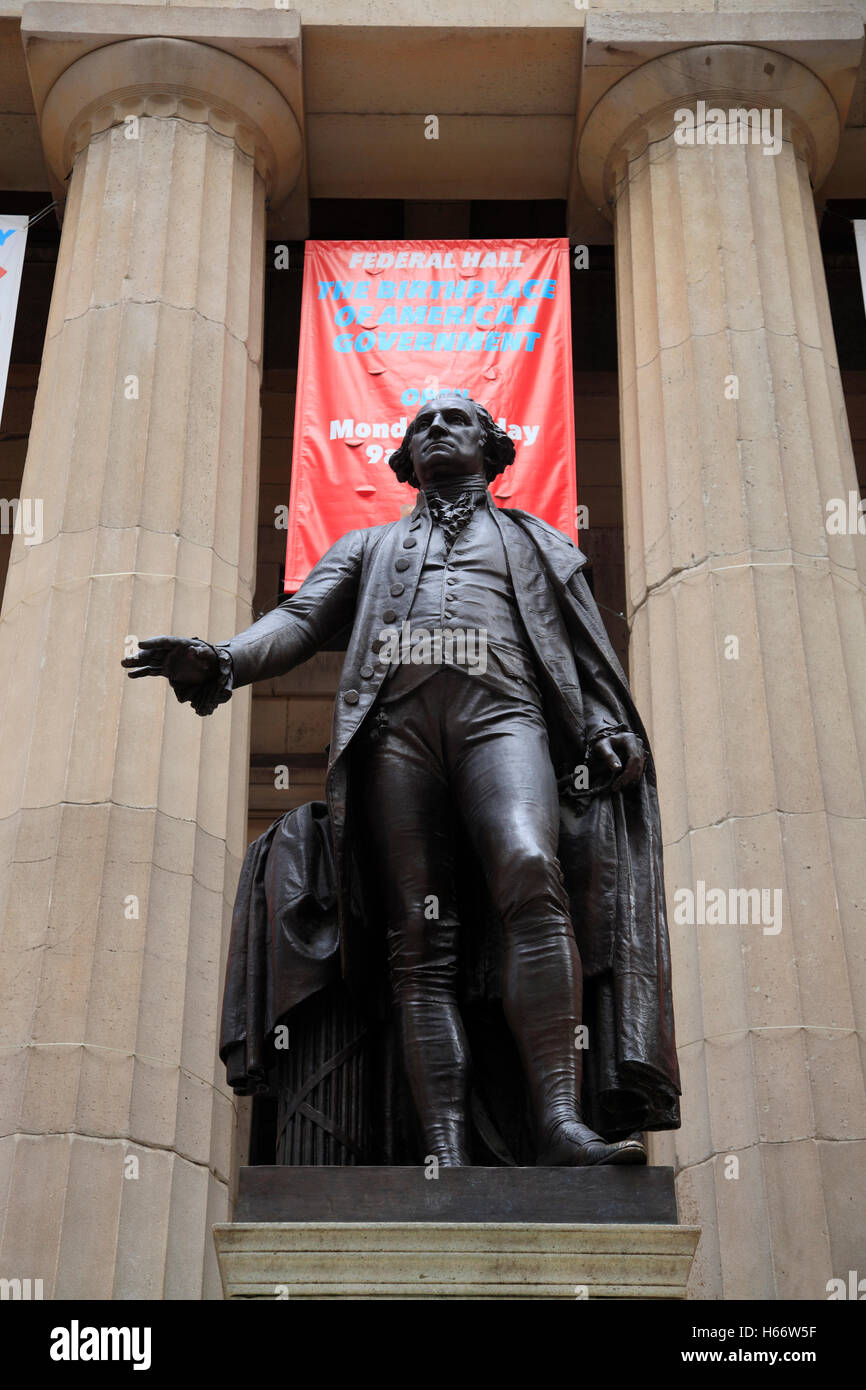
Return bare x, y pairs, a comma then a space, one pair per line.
150, 408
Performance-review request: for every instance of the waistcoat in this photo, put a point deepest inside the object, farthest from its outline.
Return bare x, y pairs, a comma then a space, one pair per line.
468, 591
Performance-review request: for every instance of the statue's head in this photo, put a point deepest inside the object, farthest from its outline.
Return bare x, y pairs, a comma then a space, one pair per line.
451, 435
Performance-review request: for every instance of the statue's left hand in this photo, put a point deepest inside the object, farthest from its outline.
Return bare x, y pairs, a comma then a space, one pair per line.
623, 753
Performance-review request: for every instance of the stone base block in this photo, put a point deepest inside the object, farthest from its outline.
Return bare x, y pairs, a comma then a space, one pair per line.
536, 1195
453, 1260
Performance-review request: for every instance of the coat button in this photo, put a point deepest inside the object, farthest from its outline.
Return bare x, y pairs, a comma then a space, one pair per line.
366, 672
389, 616
377, 645
396, 590
351, 697
402, 564
409, 542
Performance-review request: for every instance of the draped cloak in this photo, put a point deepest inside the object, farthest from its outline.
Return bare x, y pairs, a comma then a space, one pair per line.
300, 922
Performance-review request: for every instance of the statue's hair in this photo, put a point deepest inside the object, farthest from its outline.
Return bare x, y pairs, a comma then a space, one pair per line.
496, 444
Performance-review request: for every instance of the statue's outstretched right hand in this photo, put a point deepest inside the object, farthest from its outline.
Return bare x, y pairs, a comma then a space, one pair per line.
186, 662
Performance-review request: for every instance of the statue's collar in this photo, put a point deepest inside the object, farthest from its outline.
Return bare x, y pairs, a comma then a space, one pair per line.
450, 492
560, 554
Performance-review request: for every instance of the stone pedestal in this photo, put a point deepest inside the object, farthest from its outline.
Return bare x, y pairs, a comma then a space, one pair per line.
397, 1233
748, 648
122, 815
326, 1261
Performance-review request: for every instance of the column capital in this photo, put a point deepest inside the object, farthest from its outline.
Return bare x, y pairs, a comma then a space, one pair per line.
638, 70
93, 65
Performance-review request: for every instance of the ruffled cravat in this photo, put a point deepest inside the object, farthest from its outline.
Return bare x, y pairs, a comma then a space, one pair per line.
452, 504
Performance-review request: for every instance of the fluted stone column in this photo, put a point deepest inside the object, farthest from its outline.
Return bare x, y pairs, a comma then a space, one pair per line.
122, 817
748, 653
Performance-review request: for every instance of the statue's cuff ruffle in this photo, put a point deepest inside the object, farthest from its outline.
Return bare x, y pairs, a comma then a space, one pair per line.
218, 691
604, 732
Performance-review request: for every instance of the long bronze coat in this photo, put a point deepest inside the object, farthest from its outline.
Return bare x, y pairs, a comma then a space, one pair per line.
610, 843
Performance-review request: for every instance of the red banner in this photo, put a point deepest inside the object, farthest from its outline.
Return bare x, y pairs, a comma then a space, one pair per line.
387, 324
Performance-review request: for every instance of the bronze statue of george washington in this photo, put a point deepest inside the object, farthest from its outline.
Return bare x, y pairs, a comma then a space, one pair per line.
481, 712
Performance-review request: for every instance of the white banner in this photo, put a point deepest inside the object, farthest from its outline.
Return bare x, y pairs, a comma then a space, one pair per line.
13, 239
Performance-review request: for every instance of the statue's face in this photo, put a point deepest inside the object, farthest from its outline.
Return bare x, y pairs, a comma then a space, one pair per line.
447, 441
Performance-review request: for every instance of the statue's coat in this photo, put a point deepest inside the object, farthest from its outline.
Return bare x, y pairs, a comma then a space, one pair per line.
297, 919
